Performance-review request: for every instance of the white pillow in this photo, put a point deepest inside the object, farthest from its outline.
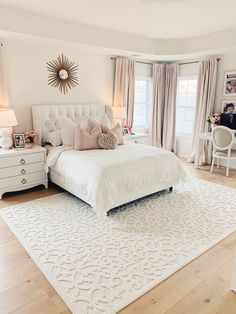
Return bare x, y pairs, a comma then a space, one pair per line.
54, 138
105, 121
68, 128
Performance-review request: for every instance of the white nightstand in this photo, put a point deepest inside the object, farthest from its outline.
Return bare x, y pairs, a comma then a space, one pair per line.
22, 168
140, 138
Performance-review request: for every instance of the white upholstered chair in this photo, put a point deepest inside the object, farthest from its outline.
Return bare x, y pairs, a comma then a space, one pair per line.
222, 140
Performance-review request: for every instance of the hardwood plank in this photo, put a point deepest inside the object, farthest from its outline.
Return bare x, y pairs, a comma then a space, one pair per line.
12, 260
229, 305
19, 274
43, 305
5, 232
24, 293
209, 295
58, 302
10, 247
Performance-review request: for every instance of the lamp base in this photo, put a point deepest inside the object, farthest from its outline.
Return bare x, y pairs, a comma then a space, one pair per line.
6, 138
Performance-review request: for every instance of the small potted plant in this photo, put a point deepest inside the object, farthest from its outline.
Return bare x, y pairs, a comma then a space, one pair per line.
29, 139
214, 119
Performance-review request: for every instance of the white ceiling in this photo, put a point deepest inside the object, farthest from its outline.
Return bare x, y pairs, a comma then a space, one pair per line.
159, 19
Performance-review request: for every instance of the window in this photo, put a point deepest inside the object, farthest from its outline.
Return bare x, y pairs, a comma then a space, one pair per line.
142, 99
185, 104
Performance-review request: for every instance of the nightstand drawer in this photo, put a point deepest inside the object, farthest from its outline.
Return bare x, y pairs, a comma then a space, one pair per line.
22, 180
21, 160
21, 170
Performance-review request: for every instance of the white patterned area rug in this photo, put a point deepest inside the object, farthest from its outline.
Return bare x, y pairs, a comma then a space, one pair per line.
98, 266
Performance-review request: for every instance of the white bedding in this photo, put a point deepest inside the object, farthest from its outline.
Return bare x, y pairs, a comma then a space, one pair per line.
109, 178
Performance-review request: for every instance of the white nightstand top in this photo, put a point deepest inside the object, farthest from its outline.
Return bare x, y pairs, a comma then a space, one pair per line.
136, 135
14, 151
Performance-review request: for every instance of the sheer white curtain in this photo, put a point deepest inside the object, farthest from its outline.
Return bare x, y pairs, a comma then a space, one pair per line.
204, 105
163, 110
124, 87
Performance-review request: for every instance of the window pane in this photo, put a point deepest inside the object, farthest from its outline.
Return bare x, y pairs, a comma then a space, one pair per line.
182, 86
185, 104
179, 126
142, 102
189, 114
191, 100
188, 127
179, 113
182, 100
192, 86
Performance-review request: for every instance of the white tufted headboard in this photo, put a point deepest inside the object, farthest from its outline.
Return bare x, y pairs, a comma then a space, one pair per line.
45, 117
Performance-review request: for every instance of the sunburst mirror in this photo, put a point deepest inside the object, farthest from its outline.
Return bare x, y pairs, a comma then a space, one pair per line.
62, 74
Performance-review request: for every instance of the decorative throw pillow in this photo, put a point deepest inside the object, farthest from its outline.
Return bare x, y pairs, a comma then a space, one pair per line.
104, 123
68, 128
117, 130
107, 140
54, 138
85, 139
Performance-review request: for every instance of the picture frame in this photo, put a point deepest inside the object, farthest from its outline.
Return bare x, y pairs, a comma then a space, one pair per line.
226, 102
229, 88
19, 140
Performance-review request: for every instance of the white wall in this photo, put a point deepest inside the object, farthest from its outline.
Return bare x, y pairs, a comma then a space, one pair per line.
3, 89
26, 75
227, 63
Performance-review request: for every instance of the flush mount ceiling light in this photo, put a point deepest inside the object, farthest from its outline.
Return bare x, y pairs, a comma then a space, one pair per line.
62, 74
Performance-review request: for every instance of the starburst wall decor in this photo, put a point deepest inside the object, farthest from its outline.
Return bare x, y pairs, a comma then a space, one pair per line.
62, 74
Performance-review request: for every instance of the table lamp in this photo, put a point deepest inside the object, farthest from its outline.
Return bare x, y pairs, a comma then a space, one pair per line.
7, 121
119, 114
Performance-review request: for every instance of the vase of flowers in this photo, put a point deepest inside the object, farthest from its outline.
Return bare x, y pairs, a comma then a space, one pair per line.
127, 129
29, 139
214, 119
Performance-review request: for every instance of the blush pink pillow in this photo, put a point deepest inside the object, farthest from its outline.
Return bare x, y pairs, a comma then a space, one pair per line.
85, 139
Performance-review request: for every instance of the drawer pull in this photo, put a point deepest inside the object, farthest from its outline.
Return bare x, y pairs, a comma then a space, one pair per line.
23, 171
23, 181
22, 161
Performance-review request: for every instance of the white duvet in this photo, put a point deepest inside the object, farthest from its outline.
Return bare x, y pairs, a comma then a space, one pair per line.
109, 178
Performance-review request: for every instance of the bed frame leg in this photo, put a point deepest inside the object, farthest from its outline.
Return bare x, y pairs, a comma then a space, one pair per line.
171, 189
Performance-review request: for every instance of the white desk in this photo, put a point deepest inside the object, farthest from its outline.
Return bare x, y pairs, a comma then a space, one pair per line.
202, 137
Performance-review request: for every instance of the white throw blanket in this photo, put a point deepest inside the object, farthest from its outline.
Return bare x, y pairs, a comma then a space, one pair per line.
108, 178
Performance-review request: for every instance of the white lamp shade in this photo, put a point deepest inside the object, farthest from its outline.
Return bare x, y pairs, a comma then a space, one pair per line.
7, 118
119, 112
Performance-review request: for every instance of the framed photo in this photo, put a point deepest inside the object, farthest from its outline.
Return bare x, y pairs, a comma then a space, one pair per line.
230, 84
228, 106
19, 140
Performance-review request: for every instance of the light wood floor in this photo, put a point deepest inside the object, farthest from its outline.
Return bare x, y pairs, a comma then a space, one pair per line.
202, 287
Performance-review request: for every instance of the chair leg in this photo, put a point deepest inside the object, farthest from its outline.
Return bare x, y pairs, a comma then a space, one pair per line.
227, 168
218, 162
212, 164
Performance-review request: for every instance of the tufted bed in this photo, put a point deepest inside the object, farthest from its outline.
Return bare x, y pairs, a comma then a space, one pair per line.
104, 179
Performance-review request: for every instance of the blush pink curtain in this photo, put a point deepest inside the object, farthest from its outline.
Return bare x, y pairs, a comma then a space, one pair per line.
124, 87
204, 106
163, 110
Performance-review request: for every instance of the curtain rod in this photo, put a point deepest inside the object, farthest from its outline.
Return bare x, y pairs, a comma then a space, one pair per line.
149, 62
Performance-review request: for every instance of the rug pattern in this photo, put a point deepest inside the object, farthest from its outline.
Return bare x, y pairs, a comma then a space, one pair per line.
100, 265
